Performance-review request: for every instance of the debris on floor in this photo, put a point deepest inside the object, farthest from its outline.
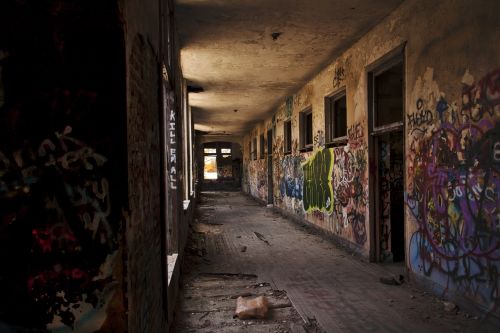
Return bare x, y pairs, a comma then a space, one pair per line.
297, 274
251, 308
393, 280
261, 237
207, 304
449, 306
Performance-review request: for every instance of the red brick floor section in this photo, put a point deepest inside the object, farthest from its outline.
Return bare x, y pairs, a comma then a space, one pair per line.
323, 282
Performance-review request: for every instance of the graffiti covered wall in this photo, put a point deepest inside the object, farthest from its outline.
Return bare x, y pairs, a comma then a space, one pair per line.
453, 192
62, 167
350, 187
257, 178
450, 147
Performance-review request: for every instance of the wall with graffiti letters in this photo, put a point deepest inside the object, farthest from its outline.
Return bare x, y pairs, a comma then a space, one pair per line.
350, 188
325, 186
453, 193
450, 145
255, 169
63, 174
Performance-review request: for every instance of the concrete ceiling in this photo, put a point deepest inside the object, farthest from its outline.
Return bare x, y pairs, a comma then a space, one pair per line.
227, 48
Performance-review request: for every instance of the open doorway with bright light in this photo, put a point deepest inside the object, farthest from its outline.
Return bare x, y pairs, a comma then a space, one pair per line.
221, 165
210, 165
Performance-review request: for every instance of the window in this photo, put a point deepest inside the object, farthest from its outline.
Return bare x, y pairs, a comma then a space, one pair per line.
288, 136
387, 89
254, 149
210, 167
305, 125
218, 161
262, 146
336, 118
226, 152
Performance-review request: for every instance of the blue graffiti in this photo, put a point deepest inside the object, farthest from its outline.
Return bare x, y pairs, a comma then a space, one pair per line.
291, 187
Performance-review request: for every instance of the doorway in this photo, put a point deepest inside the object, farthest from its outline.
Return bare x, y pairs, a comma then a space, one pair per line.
220, 166
270, 183
386, 87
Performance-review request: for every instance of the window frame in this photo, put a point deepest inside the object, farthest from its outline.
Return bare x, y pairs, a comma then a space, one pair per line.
287, 137
306, 142
331, 138
254, 148
262, 146
372, 75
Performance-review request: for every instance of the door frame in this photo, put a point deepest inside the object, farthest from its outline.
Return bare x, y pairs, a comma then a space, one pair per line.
270, 169
394, 57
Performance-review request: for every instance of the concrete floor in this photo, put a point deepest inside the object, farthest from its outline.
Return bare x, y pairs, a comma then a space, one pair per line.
326, 285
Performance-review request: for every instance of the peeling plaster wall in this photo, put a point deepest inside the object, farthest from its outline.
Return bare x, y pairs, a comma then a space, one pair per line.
452, 105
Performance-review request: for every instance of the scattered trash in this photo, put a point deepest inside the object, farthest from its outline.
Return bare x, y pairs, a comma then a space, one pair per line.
206, 314
243, 249
449, 306
251, 308
261, 237
392, 280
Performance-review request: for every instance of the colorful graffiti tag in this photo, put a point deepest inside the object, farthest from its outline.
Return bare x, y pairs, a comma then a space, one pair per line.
74, 243
257, 178
454, 193
293, 178
318, 191
349, 186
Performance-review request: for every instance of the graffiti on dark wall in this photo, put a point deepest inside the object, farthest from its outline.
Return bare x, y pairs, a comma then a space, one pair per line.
454, 194
63, 166
62, 181
172, 161
385, 198
291, 183
317, 191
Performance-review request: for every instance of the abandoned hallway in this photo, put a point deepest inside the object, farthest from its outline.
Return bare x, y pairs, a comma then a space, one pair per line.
166, 163
332, 289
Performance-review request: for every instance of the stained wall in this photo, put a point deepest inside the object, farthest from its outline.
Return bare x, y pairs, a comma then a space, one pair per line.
451, 134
